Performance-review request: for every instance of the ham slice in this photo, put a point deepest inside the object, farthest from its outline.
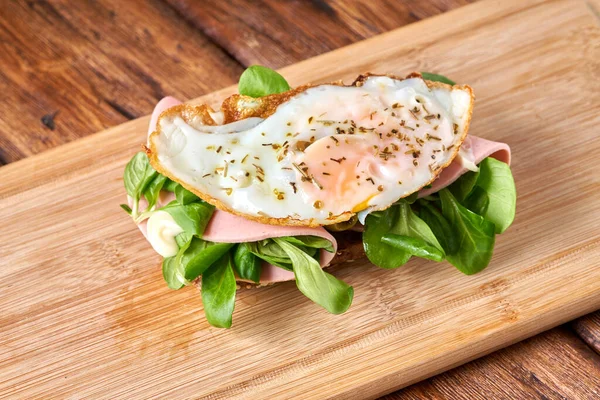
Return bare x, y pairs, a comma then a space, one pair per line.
228, 228
476, 150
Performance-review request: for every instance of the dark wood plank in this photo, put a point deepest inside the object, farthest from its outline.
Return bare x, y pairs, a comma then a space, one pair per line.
100, 63
588, 328
93, 65
278, 33
553, 365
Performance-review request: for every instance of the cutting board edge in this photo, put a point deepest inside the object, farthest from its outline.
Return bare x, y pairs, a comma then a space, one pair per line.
528, 323
485, 348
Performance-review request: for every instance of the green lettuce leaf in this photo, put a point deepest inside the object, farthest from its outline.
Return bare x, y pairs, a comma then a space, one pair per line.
246, 264
259, 81
192, 218
437, 78
396, 220
475, 236
218, 292
319, 286
496, 181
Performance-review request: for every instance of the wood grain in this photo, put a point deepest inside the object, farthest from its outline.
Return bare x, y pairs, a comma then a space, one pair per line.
276, 33
88, 289
94, 65
532, 369
588, 328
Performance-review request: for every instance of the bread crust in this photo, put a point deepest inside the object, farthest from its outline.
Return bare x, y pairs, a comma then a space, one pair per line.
238, 107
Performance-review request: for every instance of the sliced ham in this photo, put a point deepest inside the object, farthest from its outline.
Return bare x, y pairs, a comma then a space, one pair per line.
476, 149
228, 228
162, 105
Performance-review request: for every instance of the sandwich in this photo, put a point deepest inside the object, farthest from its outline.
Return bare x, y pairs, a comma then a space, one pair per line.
281, 182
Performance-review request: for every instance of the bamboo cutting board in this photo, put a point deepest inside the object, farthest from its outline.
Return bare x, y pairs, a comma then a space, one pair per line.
84, 311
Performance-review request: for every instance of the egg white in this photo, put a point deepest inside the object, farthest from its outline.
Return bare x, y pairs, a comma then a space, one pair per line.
253, 166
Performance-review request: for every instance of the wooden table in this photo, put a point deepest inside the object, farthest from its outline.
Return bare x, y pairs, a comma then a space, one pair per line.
70, 69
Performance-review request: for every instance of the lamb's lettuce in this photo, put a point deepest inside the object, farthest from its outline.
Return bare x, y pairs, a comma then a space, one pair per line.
399, 220
192, 217
246, 264
298, 254
314, 242
439, 226
184, 196
217, 263
437, 78
259, 81
414, 246
463, 218
270, 252
290, 252
137, 176
170, 185
171, 275
200, 255
218, 292
324, 289
475, 235
463, 186
152, 191
478, 201
496, 181
183, 238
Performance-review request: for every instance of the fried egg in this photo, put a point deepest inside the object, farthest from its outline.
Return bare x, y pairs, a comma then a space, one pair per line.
316, 155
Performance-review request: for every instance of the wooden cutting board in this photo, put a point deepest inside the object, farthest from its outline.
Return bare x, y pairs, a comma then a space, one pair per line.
84, 311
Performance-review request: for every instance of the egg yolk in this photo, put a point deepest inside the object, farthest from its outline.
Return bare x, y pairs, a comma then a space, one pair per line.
341, 171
